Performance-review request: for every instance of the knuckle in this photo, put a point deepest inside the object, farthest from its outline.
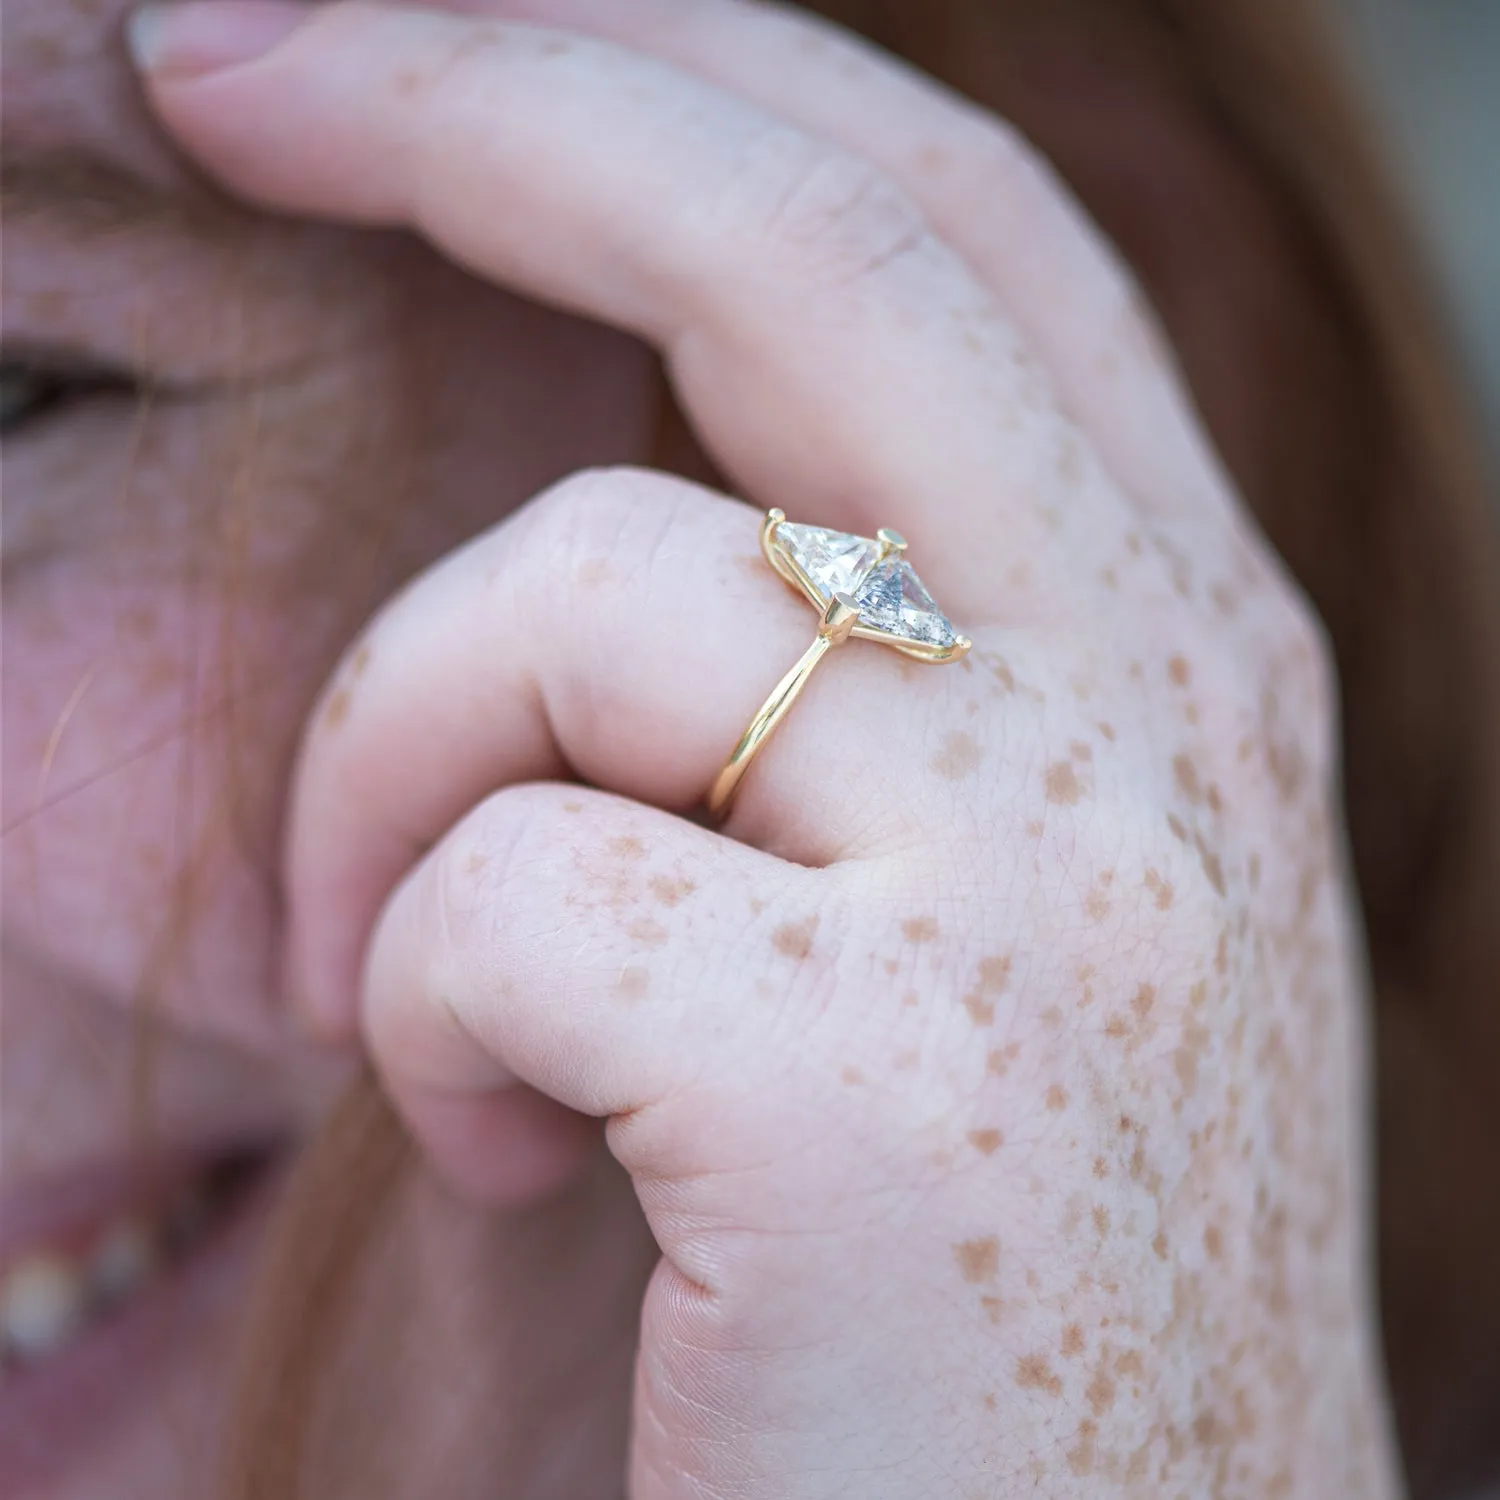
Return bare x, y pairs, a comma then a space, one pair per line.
829, 210
488, 871
591, 515
621, 512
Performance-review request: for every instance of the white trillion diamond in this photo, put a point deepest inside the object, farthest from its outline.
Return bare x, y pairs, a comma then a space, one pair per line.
892, 599
834, 561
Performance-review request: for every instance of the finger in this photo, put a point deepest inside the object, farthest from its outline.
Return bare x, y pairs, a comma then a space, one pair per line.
597, 952
841, 361
623, 629
985, 190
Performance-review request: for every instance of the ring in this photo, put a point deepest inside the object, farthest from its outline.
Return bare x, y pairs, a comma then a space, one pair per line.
861, 587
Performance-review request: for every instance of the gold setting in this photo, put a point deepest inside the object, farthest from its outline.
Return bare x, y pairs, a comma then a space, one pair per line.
839, 621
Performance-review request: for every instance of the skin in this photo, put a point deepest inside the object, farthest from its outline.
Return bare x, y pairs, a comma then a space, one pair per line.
1012, 1037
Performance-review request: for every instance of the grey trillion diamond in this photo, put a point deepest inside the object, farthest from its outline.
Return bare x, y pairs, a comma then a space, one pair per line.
893, 600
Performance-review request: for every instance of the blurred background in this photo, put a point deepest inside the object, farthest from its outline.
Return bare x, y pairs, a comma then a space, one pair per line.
1432, 71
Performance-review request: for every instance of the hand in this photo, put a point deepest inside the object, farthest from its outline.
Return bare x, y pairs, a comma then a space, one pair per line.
991, 1083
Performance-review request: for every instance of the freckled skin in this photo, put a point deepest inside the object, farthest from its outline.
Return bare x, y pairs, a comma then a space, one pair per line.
979, 1259
1212, 1124
1063, 786
794, 940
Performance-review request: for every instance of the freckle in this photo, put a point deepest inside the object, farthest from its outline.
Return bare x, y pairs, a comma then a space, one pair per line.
1179, 830
932, 158
891, 966
1101, 1393
757, 906
1052, 1018
1001, 672
627, 847
1211, 866
959, 757
1143, 1000
1187, 777
652, 934
999, 1060
911, 998
1072, 1340
1159, 1244
1081, 1455
572, 807
1206, 1429
1254, 872
360, 662
1161, 889
795, 939
986, 1142
1213, 1241
1221, 955
1062, 784
1101, 1167
1034, 1373
1096, 906
981, 1011
1179, 671
993, 1307
1057, 1097
669, 892
1080, 751
905, 1060
994, 975
1129, 1364
475, 863
633, 982
1223, 598
1133, 544
1033, 1281
920, 929
337, 710
978, 1260
1126, 1124
1138, 1163
1101, 1218
853, 1076
1116, 1028
1215, 798
1110, 579
1199, 993
1136, 670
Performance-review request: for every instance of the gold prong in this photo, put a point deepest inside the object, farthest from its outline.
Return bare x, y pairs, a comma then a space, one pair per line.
839, 619
890, 541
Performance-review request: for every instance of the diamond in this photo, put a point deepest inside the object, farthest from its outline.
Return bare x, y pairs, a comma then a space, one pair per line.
893, 600
834, 561
890, 596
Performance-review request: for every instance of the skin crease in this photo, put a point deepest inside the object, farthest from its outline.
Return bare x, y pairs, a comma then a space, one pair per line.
167, 564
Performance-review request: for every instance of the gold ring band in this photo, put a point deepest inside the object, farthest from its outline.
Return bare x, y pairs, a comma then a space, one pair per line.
863, 588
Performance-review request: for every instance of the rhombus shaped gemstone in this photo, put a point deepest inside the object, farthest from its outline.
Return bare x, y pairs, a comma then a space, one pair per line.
890, 596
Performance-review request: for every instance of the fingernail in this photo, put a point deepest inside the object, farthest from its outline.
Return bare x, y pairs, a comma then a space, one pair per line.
203, 36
